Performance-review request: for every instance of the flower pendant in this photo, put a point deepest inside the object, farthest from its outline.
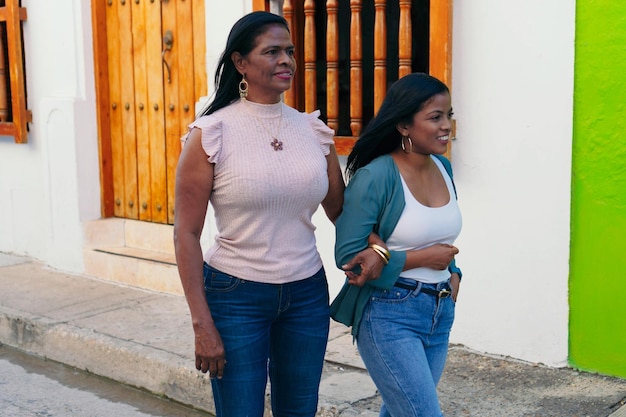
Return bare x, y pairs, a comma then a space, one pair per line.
277, 145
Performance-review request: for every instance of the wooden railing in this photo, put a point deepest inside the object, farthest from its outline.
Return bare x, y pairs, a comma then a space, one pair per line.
351, 50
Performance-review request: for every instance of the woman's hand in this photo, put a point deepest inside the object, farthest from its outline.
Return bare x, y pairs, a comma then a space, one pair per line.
210, 355
438, 256
455, 283
365, 266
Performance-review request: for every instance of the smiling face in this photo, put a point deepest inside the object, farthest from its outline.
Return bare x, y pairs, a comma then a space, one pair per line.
430, 127
269, 68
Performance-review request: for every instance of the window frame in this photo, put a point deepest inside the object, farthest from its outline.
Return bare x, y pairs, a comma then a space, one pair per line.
13, 15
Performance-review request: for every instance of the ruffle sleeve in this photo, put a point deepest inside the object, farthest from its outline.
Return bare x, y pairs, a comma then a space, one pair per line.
324, 133
211, 128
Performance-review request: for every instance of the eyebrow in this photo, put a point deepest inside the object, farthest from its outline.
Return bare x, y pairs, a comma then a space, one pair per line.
441, 111
292, 46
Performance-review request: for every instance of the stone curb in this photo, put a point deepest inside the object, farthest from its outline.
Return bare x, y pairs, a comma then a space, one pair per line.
154, 370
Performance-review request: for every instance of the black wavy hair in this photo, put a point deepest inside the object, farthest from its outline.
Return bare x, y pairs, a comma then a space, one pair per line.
242, 39
404, 98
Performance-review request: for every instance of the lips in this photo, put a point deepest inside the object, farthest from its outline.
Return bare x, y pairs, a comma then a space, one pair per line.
284, 75
443, 138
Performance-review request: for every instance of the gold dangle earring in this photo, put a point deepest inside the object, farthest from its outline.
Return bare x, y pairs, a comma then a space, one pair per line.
243, 87
410, 144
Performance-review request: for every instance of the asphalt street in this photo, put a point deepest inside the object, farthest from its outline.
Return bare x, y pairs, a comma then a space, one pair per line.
34, 387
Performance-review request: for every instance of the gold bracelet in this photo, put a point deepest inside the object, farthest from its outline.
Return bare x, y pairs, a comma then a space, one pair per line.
382, 255
381, 250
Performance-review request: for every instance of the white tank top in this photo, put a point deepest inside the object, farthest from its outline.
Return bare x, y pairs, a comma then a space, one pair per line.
421, 226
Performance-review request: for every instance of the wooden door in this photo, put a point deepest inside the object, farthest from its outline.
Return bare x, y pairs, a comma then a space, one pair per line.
150, 71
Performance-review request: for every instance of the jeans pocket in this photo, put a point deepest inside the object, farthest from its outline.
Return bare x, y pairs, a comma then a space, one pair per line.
393, 295
217, 281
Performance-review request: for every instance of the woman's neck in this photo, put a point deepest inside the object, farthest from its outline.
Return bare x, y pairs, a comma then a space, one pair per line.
264, 99
413, 161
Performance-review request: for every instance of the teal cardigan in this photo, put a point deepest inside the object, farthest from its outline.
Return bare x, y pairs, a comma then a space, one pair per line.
374, 200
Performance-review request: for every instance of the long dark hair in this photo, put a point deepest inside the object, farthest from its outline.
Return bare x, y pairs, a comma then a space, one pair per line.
405, 97
242, 39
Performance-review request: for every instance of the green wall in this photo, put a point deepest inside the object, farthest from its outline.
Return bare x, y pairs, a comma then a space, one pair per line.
598, 241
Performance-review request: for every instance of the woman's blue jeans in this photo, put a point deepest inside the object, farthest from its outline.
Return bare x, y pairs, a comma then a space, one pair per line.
280, 330
403, 341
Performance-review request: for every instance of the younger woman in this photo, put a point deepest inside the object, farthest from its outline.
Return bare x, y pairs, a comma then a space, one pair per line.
401, 189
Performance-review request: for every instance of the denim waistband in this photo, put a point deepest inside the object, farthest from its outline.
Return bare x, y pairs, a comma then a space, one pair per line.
441, 289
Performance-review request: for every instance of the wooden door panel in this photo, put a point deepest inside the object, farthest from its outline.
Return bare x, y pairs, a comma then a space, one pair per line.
128, 138
172, 88
199, 51
114, 85
154, 174
141, 114
180, 90
185, 108
139, 68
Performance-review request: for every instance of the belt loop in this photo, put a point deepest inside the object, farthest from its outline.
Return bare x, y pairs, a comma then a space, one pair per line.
418, 289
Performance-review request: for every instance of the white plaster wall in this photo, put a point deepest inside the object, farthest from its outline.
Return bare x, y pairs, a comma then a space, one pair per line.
513, 97
53, 181
220, 18
512, 94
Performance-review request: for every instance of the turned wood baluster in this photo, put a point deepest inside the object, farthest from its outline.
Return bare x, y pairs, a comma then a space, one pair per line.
380, 53
310, 56
404, 39
356, 64
332, 65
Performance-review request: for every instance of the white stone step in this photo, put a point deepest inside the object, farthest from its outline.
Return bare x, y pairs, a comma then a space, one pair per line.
131, 252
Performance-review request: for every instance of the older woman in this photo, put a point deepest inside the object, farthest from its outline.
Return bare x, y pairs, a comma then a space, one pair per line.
258, 297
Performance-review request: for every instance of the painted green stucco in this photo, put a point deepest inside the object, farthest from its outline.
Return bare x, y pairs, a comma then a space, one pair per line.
598, 241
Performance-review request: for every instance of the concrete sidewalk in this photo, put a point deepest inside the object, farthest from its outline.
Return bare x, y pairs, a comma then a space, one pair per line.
144, 339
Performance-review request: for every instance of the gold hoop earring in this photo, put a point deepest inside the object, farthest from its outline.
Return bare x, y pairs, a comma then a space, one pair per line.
243, 87
410, 144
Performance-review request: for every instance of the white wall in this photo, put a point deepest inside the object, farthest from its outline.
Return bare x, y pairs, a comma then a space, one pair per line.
41, 216
512, 94
513, 97
219, 19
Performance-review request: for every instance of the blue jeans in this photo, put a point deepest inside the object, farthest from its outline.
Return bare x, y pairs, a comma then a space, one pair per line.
275, 329
403, 341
